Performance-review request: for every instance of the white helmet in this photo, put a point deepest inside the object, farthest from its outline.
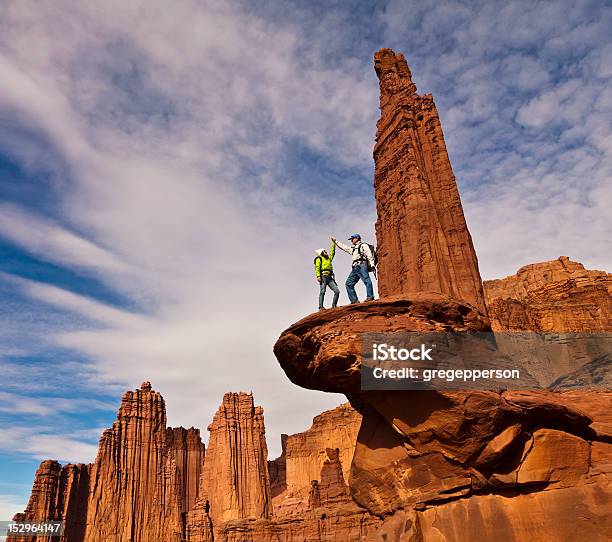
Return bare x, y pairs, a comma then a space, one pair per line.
319, 251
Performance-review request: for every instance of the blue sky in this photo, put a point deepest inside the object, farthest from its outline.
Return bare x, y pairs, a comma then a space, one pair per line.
166, 173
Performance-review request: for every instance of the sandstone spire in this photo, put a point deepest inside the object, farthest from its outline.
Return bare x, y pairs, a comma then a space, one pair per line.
58, 494
187, 450
423, 240
134, 483
235, 481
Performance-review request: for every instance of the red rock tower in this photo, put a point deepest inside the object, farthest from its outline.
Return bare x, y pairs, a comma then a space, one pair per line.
235, 480
134, 488
185, 447
423, 240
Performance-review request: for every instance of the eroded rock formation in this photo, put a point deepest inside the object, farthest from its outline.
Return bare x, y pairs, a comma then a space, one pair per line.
132, 491
187, 450
417, 450
464, 465
423, 241
555, 296
235, 482
556, 318
142, 485
304, 453
323, 350
419, 454
57, 495
135, 486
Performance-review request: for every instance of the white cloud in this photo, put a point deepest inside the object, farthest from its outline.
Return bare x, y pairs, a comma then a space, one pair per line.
550, 105
18, 403
84, 306
44, 238
37, 442
9, 506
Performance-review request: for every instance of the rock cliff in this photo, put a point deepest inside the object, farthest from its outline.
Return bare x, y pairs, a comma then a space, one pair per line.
57, 495
570, 310
417, 450
134, 486
555, 296
305, 454
423, 240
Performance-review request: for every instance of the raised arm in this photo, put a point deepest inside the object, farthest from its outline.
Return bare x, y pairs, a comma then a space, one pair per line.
332, 251
348, 249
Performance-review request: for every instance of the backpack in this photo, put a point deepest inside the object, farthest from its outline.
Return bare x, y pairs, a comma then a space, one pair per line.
374, 256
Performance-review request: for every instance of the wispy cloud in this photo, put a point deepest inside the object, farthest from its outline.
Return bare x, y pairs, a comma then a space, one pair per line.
43, 238
15, 403
173, 193
40, 443
523, 90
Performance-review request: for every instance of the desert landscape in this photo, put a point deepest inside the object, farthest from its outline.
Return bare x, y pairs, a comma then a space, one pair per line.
411, 466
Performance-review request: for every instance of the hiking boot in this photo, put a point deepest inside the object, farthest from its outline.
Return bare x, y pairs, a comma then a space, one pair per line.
356, 301
369, 299
322, 309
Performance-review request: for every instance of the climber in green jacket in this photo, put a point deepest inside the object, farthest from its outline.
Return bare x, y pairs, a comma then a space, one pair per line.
324, 271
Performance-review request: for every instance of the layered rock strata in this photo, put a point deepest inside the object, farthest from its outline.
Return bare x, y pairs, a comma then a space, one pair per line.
458, 452
323, 351
305, 453
58, 494
297, 474
556, 296
556, 318
423, 240
135, 486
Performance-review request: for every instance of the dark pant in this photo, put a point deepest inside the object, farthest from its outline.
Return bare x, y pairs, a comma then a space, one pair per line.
328, 280
359, 271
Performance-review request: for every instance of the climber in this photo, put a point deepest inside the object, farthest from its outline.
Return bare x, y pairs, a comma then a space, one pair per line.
324, 272
363, 262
